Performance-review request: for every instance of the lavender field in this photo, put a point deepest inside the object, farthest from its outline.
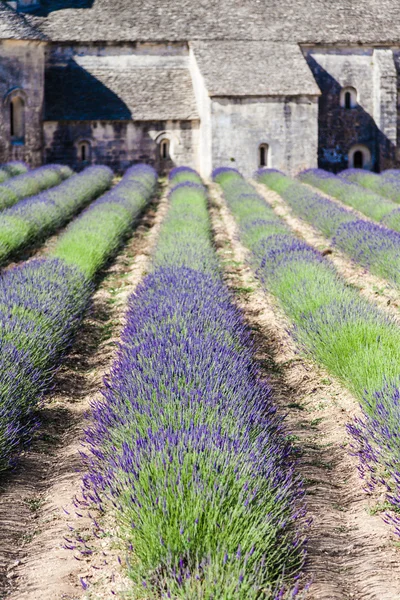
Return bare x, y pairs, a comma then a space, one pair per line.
228, 401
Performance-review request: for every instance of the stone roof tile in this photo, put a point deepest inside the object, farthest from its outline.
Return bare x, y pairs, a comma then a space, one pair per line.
314, 21
119, 88
14, 26
254, 69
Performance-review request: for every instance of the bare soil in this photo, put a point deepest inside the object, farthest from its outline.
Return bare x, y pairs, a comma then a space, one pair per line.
351, 552
39, 514
375, 289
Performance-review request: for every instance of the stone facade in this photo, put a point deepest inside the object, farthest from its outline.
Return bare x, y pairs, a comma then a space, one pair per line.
121, 143
371, 124
90, 81
285, 126
22, 76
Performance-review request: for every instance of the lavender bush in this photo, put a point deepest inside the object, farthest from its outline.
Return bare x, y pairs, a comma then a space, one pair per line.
31, 183
186, 443
42, 304
366, 201
350, 337
96, 235
388, 186
36, 217
369, 244
12, 169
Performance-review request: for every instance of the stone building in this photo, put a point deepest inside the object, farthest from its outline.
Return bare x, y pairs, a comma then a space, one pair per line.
245, 83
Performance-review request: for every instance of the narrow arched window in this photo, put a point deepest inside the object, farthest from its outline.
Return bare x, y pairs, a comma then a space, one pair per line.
348, 98
164, 149
358, 159
17, 120
263, 155
84, 151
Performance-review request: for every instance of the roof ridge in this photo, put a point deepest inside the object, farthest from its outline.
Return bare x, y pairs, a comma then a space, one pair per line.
15, 26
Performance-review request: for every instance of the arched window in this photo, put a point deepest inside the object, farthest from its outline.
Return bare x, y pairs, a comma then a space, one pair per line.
348, 97
263, 155
164, 149
17, 120
360, 157
84, 151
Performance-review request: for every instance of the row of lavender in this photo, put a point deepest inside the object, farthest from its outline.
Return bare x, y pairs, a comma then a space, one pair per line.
332, 323
30, 183
186, 444
43, 302
369, 244
36, 217
387, 184
12, 169
367, 201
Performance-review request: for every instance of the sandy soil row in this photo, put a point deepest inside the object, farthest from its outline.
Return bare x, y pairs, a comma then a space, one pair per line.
37, 507
352, 554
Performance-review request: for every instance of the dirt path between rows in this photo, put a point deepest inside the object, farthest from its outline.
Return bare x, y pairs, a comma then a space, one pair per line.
38, 514
376, 290
351, 552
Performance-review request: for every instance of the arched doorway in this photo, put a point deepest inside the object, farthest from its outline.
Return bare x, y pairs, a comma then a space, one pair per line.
360, 157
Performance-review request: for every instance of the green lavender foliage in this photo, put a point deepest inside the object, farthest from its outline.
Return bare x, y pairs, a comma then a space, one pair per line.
31, 183
342, 331
89, 241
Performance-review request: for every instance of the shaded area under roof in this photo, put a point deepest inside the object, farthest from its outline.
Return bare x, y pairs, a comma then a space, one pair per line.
14, 26
325, 21
108, 88
254, 69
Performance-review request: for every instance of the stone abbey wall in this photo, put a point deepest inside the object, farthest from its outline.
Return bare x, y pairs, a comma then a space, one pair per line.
125, 99
22, 74
372, 122
120, 143
288, 126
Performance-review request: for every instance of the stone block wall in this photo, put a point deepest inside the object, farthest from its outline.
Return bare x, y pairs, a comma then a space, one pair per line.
288, 125
119, 144
22, 72
372, 123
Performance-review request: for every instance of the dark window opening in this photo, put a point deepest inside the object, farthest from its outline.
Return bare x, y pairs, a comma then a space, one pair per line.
84, 151
347, 100
17, 120
358, 159
164, 149
12, 119
263, 155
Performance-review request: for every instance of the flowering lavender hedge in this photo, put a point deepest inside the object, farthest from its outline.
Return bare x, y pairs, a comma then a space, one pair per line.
96, 235
350, 337
369, 244
42, 304
186, 442
366, 201
31, 183
387, 186
36, 217
391, 174
12, 169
